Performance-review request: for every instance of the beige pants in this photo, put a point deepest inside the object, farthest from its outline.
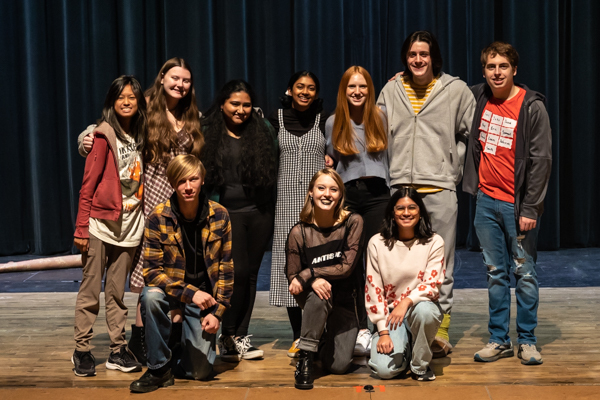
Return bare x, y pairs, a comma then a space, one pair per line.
116, 261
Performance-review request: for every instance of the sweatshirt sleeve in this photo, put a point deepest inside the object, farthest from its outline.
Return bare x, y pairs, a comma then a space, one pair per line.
432, 277
464, 117
375, 303
329, 137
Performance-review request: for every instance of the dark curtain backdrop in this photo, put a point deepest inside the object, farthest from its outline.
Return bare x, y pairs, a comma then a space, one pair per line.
59, 57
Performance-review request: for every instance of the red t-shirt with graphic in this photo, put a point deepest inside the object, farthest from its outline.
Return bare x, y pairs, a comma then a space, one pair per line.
498, 137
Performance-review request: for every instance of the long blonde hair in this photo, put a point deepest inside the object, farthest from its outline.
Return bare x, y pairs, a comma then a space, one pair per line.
161, 135
307, 214
343, 135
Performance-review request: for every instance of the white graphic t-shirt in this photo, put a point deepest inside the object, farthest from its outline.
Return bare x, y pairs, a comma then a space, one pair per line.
128, 230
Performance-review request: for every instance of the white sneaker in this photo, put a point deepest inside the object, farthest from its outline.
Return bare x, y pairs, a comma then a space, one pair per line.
363, 343
246, 349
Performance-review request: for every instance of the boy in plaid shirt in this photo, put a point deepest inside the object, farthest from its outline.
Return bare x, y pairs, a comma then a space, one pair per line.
188, 271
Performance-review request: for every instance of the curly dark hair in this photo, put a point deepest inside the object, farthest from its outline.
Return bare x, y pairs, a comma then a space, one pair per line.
389, 229
258, 164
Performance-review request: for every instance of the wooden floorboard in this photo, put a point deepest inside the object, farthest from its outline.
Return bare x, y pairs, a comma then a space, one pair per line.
36, 338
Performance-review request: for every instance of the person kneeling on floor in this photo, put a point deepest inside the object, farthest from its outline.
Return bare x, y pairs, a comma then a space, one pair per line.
188, 271
405, 269
322, 251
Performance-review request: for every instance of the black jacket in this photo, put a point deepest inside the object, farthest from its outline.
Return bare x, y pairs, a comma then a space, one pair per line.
533, 152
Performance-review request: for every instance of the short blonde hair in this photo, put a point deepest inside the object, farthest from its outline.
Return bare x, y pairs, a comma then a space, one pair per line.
308, 211
183, 166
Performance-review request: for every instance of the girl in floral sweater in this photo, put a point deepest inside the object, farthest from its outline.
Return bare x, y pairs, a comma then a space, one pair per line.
405, 268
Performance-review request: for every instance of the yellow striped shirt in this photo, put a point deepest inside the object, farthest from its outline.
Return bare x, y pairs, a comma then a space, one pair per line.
417, 94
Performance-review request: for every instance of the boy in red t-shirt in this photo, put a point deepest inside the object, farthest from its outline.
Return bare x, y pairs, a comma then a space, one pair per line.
508, 167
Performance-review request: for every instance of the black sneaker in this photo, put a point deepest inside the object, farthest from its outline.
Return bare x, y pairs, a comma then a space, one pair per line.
228, 349
84, 362
426, 377
124, 361
150, 382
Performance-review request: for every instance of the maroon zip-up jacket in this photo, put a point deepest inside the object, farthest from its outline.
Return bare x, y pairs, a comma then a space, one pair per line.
100, 195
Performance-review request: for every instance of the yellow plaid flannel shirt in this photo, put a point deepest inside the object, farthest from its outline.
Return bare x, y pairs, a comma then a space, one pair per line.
164, 258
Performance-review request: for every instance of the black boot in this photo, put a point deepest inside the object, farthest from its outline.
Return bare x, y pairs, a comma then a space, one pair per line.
175, 340
153, 379
137, 343
304, 371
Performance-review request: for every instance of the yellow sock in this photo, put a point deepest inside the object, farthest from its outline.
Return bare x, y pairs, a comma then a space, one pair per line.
443, 329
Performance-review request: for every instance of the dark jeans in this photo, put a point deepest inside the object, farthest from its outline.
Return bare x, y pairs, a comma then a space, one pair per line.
198, 347
340, 319
251, 232
368, 198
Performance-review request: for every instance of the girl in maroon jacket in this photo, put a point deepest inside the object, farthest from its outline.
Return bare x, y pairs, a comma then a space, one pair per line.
110, 223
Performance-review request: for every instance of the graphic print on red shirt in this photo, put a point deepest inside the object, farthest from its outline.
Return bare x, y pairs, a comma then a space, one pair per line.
498, 134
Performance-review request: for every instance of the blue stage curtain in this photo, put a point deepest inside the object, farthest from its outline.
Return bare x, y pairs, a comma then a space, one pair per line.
60, 56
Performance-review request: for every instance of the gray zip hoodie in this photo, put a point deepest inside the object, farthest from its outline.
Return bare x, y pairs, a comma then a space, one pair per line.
428, 148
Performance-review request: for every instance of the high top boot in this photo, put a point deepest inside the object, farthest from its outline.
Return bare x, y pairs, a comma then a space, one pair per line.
175, 339
304, 371
137, 343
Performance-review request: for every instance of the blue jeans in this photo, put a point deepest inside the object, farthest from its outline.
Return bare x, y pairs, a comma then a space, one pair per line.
504, 251
412, 342
198, 347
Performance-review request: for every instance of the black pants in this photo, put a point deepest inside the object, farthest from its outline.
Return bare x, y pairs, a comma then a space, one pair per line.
251, 232
368, 198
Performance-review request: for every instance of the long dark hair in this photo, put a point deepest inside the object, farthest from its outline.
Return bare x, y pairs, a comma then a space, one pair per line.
434, 51
258, 166
161, 135
389, 230
286, 100
138, 121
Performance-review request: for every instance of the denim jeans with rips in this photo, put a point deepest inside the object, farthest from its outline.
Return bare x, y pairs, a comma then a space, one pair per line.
506, 250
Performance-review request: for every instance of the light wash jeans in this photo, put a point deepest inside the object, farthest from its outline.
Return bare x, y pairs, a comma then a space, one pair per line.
504, 251
197, 347
412, 342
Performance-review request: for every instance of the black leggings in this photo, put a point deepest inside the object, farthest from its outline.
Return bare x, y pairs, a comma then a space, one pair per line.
251, 232
369, 198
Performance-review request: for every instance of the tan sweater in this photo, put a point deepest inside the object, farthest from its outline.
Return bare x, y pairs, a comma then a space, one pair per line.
411, 269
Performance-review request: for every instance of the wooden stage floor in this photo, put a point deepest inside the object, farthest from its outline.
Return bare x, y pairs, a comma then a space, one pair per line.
36, 338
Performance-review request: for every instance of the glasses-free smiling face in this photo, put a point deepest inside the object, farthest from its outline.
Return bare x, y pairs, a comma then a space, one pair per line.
357, 90
126, 105
177, 82
406, 214
237, 108
188, 189
304, 92
499, 74
419, 62
325, 193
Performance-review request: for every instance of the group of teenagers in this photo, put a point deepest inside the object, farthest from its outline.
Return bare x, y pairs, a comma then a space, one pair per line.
361, 206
